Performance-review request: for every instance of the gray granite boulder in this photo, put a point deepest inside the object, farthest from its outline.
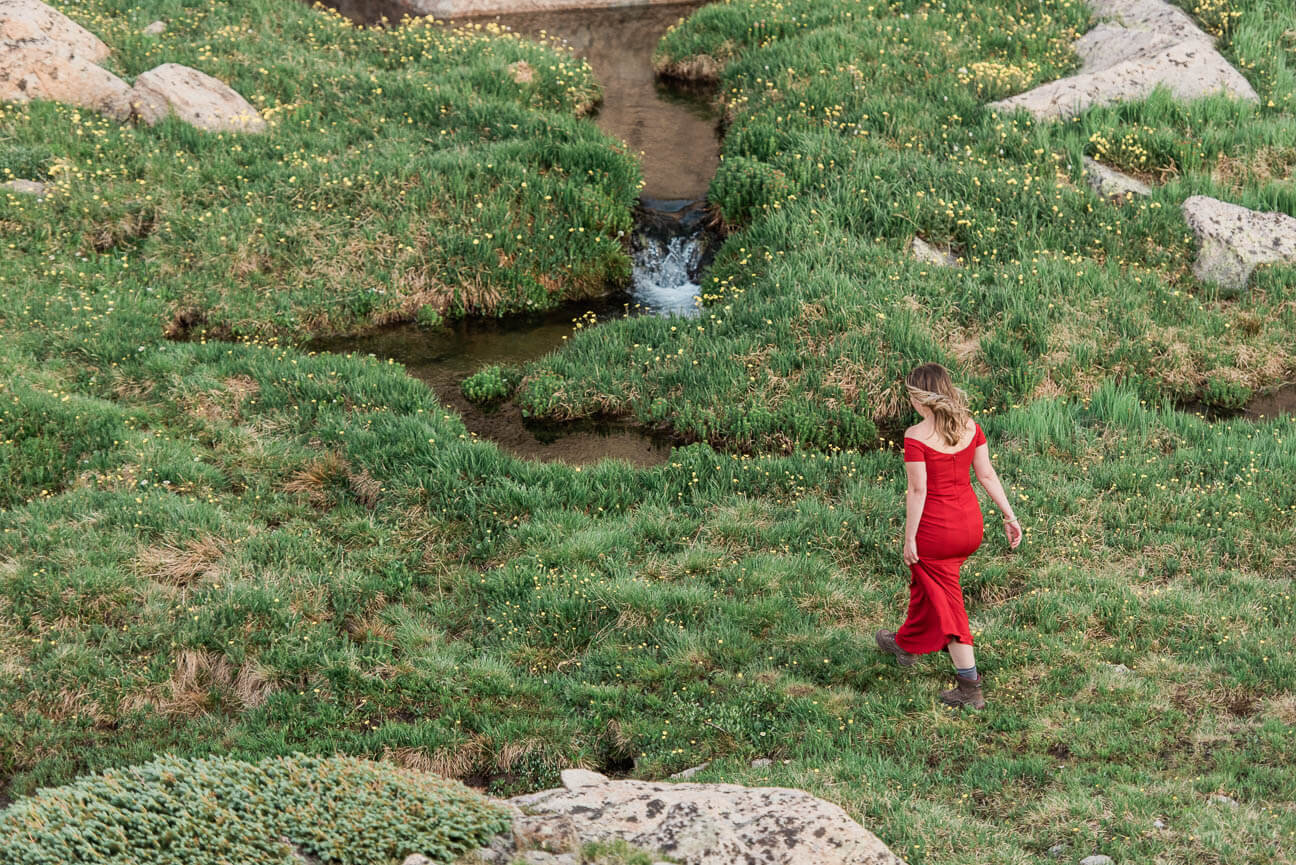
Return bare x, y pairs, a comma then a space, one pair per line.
23, 187
1235, 240
1149, 44
195, 97
1110, 183
30, 19
928, 254
707, 824
41, 67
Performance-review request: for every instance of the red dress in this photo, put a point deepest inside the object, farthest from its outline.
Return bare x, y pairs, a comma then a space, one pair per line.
949, 531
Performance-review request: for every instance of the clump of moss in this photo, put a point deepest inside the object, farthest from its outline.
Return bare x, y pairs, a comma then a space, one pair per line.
171, 811
490, 383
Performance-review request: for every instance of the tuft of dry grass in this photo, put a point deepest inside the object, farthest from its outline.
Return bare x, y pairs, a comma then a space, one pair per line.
198, 681
182, 564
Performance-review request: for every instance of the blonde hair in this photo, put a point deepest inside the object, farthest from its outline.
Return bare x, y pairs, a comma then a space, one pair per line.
930, 385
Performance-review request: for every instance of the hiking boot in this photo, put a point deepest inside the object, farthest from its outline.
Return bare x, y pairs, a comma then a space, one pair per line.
886, 642
966, 692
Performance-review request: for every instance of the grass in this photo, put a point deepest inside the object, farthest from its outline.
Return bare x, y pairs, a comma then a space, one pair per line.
853, 129
234, 548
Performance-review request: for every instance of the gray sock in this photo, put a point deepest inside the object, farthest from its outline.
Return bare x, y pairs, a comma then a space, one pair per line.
970, 673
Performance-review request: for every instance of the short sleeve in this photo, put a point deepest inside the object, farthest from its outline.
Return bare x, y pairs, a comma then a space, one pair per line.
978, 439
913, 451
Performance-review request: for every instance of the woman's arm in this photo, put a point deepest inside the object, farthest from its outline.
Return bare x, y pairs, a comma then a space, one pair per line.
989, 478
915, 498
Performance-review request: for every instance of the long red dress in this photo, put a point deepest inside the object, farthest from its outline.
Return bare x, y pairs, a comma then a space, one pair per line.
949, 531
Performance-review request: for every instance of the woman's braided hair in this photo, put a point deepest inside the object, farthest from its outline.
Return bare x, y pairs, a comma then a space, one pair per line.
930, 385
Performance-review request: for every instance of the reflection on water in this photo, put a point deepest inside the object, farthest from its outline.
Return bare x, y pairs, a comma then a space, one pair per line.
673, 128
444, 356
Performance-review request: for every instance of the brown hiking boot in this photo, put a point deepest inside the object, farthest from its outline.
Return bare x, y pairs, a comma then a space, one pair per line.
964, 693
886, 642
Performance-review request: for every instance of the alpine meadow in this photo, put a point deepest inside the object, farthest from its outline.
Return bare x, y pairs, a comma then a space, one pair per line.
253, 562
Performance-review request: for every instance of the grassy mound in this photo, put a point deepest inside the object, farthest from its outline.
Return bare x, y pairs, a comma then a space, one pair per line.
202, 812
856, 128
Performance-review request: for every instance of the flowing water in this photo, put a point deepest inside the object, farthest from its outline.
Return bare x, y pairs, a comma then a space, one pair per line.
674, 130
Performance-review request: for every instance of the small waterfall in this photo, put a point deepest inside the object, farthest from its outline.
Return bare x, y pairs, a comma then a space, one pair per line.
669, 250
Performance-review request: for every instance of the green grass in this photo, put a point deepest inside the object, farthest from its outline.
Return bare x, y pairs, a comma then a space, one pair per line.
405, 170
216, 548
854, 128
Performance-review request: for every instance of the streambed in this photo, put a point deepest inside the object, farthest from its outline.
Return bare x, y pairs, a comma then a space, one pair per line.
675, 131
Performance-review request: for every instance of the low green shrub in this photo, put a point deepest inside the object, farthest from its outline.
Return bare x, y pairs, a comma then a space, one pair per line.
194, 812
490, 383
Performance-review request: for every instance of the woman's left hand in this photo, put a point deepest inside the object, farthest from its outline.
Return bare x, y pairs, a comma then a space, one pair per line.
910, 551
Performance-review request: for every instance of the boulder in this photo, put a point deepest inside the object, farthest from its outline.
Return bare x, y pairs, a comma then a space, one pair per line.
709, 824
928, 254
1152, 44
195, 97
30, 19
40, 67
1235, 240
157, 28
23, 187
1110, 183
690, 772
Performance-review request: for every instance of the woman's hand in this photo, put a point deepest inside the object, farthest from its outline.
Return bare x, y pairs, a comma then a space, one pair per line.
910, 551
1014, 530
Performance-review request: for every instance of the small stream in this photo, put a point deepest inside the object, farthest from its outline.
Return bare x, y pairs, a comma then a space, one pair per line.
675, 131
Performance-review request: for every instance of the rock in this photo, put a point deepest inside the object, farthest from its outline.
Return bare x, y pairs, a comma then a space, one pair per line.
521, 72
29, 19
195, 97
1096, 859
23, 187
554, 834
928, 254
499, 852
689, 773
711, 824
157, 28
762, 763
574, 779
1057, 850
1158, 824
539, 857
417, 859
1110, 183
1154, 44
1119, 669
1221, 799
43, 68
1235, 240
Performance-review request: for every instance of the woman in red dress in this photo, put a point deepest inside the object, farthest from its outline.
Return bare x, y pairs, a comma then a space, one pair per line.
943, 527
